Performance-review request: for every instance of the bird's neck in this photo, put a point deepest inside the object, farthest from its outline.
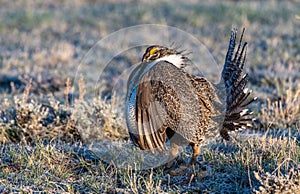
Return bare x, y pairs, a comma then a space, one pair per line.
176, 59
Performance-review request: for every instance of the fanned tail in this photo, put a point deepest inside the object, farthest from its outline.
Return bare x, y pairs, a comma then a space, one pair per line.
237, 115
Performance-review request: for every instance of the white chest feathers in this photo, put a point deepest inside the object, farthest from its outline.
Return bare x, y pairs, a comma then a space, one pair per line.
177, 60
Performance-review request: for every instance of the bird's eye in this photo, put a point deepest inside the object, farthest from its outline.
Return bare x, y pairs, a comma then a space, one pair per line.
153, 51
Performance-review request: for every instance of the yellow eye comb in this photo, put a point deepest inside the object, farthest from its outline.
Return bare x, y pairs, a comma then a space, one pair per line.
152, 51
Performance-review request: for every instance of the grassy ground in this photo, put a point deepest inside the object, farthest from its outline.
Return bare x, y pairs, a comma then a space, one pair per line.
54, 139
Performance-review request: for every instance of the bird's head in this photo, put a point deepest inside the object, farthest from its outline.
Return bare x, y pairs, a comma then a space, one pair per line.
161, 53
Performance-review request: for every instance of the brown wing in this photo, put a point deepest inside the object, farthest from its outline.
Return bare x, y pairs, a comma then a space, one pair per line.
150, 116
157, 108
164, 98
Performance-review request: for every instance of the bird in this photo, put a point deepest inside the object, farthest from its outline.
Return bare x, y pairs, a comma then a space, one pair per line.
165, 103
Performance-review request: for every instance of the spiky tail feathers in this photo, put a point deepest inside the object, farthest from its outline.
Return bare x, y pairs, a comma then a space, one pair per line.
237, 115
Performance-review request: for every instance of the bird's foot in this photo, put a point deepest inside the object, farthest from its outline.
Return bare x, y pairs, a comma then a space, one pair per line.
190, 169
182, 170
174, 163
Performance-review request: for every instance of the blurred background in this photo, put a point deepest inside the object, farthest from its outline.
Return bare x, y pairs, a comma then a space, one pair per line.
45, 40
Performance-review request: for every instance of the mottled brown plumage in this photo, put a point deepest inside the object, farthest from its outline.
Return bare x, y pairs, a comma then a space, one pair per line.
164, 101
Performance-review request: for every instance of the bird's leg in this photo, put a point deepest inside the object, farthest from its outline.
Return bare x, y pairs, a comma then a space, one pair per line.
196, 153
186, 168
173, 154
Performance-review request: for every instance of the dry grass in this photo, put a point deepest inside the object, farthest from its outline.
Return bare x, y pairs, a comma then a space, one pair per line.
284, 112
49, 129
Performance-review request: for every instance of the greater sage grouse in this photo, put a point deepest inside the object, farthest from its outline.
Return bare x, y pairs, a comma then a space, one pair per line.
165, 102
